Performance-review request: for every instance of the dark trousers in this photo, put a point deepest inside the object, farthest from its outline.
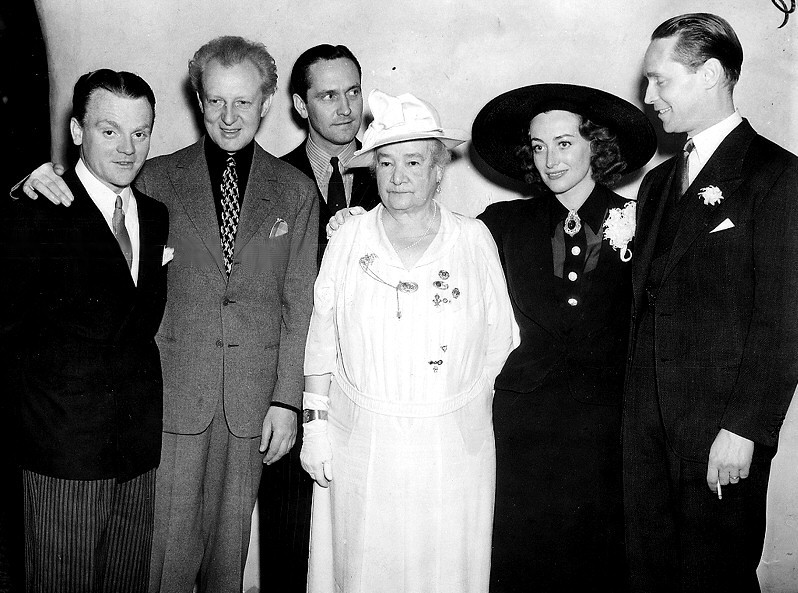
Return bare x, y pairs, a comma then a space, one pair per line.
90, 536
679, 537
286, 494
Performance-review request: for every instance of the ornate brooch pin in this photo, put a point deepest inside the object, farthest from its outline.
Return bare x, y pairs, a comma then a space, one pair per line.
711, 195
402, 286
619, 228
443, 286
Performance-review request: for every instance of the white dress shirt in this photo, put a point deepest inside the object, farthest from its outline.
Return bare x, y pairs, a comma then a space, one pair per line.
707, 142
320, 163
105, 200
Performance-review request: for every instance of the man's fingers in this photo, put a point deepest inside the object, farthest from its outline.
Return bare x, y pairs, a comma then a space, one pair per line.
279, 446
712, 478
29, 191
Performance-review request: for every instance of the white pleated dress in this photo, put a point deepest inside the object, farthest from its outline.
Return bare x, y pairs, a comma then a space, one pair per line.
410, 507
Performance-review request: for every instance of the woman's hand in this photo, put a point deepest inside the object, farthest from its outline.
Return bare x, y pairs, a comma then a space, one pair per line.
338, 219
316, 453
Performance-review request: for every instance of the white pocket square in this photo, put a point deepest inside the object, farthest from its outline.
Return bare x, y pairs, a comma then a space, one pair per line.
279, 229
726, 224
168, 255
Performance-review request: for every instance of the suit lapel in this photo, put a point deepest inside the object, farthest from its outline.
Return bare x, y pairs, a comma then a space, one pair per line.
256, 199
723, 170
650, 207
97, 237
192, 184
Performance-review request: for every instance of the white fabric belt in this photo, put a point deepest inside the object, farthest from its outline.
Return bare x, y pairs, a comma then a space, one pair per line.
411, 409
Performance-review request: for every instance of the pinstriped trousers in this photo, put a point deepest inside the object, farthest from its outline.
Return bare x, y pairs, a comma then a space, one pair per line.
87, 536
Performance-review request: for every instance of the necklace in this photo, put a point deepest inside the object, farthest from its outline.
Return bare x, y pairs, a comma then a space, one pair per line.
424, 234
401, 286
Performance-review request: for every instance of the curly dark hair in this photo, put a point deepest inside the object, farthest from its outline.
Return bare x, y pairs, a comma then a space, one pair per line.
606, 163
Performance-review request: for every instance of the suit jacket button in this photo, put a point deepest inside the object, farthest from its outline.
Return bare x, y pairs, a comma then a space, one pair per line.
226, 301
219, 343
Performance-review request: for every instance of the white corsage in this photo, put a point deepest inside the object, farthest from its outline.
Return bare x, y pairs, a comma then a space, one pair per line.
711, 195
619, 229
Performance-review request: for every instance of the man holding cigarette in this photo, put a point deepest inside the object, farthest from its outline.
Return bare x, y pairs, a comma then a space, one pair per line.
714, 356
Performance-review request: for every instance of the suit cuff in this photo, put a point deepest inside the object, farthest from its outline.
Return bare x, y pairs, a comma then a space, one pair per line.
285, 406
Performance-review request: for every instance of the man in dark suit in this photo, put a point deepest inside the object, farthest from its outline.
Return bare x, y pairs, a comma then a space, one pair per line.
243, 227
325, 86
714, 354
325, 83
80, 318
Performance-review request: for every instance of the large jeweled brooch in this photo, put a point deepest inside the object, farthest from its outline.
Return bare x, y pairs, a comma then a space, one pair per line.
572, 224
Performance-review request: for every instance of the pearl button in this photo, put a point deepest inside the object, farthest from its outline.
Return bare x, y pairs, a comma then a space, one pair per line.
572, 302
572, 276
576, 250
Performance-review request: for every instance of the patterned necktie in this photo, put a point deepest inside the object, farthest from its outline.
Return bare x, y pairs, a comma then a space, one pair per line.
336, 194
230, 210
120, 232
682, 173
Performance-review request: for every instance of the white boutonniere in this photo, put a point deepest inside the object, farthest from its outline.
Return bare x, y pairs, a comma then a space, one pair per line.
619, 228
711, 195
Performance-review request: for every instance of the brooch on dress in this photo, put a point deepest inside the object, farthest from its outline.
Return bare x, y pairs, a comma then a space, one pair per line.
442, 285
572, 224
401, 286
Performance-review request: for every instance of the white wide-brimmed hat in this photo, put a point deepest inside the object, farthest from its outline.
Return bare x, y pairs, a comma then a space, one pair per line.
397, 119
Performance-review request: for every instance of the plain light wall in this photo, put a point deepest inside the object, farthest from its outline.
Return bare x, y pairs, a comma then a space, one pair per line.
458, 55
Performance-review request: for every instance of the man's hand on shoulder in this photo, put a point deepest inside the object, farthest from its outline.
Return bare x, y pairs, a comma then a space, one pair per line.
46, 180
729, 459
279, 433
338, 219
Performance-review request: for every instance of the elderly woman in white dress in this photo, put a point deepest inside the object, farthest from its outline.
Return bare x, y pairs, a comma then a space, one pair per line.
411, 325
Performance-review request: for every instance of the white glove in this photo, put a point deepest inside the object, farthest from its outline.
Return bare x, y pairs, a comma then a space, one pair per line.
316, 453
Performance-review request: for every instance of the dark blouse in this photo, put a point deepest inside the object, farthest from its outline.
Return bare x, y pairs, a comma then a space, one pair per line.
571, 296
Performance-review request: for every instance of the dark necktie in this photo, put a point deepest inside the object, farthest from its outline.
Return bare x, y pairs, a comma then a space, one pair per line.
230, 210
120, 232
336, 194
681, 180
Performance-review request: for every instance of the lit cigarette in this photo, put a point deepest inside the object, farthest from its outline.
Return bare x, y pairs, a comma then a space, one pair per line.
720, 494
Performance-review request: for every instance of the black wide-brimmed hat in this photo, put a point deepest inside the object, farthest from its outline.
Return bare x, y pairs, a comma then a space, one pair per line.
502, 126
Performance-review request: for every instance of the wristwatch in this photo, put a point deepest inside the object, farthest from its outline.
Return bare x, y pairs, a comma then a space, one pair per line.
311, 415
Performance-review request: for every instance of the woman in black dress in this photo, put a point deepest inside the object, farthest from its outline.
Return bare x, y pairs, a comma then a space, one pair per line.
557, 409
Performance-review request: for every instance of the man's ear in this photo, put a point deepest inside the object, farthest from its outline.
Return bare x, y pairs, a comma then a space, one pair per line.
712, 72
267, 102
76, 130
199, 102
300, 106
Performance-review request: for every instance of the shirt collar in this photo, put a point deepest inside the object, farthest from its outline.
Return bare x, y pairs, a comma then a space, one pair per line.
592, 212
320, 159
706, 142
101, 194
217, 158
